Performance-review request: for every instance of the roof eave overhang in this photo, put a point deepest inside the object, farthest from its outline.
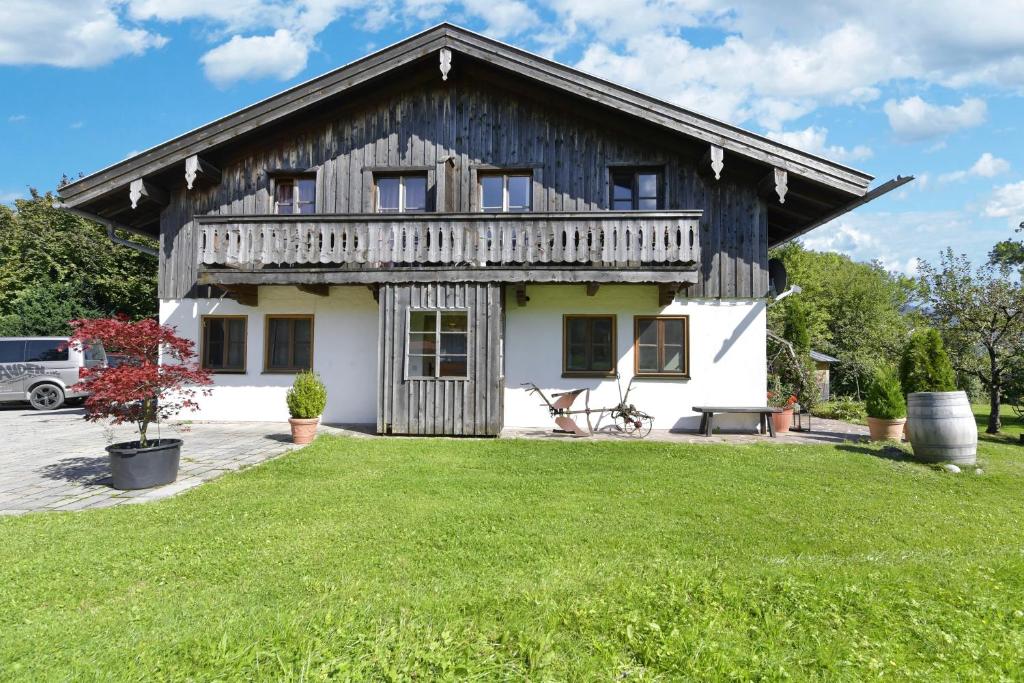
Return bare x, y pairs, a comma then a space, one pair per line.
731, 139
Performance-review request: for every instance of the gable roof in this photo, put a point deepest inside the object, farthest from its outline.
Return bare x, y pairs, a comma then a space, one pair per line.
842, 187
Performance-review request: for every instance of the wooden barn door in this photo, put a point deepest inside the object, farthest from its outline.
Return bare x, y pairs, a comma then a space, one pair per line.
430, 334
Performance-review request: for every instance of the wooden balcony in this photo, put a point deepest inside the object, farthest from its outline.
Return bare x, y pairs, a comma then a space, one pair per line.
491, 245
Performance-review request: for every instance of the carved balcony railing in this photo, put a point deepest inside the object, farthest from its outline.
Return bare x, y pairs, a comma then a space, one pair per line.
606, 239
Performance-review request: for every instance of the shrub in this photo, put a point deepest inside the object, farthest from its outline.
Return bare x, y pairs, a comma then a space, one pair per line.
157, 381
885, 397
845, 408
308, 396
925, 365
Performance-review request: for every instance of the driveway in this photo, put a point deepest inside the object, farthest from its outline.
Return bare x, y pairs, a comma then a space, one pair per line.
56, 460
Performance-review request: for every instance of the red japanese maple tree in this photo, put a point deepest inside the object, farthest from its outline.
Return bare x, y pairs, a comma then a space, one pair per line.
157, 380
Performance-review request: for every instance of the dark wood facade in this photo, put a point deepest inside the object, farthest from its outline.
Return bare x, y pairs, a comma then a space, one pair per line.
454, 130
455, 407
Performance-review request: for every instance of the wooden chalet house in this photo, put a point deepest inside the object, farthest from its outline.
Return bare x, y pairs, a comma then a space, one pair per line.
443, 220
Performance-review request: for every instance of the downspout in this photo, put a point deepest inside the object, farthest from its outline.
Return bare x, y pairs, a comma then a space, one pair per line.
111, 226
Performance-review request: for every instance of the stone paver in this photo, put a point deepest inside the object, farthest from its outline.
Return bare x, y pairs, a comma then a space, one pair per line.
56, 460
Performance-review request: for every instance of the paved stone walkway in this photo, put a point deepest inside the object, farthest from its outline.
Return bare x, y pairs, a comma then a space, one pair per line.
56, 460
822, 432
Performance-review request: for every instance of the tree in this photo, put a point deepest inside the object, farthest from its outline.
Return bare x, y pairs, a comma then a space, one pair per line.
980, 312
1009, 252
858, 312
154, 384
55, 267
925, 365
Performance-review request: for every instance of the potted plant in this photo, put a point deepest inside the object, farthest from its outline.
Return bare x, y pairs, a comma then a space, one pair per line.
781, 397
156, 381
940, 424
886, 407
306, 402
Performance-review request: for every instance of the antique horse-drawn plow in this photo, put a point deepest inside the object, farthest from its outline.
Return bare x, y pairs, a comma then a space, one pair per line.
626, 418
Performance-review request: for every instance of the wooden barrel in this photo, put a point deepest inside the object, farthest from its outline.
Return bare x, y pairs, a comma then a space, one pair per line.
941, 427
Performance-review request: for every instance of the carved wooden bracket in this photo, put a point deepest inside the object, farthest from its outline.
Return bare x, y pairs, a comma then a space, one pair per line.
717, 160
521, 297
781, 184
318, 290
197, 169
446, 63
375, 291
776, 182
712, 162
247, 295
140, 189
667, 293
592, 288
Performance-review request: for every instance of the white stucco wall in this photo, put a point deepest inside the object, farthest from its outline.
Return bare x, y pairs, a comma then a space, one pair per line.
727, 354
344, 353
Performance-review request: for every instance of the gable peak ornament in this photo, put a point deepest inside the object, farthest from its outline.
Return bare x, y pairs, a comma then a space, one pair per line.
446, 63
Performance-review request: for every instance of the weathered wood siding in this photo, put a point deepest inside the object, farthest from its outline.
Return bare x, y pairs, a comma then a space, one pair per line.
456, 407
454, 130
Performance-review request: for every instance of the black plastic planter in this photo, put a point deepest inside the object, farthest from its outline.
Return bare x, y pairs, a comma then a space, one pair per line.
142, 468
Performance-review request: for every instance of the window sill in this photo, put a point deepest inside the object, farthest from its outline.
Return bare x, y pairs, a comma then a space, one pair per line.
286, 372
225, 372
599, 375
661, 375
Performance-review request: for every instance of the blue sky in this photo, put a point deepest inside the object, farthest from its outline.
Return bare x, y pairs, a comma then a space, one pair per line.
933, 89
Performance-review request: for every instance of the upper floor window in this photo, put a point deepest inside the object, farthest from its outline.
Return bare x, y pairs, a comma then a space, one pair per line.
402, 194
635, 189
294, 195
505, 192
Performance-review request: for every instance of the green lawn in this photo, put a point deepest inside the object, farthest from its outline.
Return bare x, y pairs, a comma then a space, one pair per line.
427, 559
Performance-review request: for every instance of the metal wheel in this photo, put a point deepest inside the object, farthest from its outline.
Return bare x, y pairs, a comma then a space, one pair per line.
46, 397
634, 423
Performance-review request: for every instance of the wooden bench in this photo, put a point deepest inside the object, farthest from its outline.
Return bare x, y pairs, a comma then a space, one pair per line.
707, 419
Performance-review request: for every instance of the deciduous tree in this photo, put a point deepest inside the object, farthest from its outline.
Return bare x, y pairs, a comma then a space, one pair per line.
980, 312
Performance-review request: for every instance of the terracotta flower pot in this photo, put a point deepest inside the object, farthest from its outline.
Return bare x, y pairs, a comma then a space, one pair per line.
886, 430
782, 421
303, 429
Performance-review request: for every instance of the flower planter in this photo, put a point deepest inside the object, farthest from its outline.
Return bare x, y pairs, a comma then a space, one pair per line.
942, 427
782, 421
141, 468
303, 429
886, 430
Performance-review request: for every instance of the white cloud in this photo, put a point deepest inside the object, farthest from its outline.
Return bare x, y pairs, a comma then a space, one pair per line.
84, 33
813, 139
1007, 202
987, 166
898, 239
16, 118
915, 119
77, 124
8, 197
280, 55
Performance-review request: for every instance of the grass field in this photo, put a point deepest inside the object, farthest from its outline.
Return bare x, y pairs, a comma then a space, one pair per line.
442, 559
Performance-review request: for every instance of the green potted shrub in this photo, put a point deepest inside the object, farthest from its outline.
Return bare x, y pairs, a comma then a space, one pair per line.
940, 424
781, 396
886, 407
306, 399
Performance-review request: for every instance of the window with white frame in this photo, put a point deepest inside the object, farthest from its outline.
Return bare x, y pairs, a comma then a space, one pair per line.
438, 344
505, 192
402, 193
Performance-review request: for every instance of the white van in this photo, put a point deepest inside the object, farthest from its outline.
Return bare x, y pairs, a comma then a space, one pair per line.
40, 370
